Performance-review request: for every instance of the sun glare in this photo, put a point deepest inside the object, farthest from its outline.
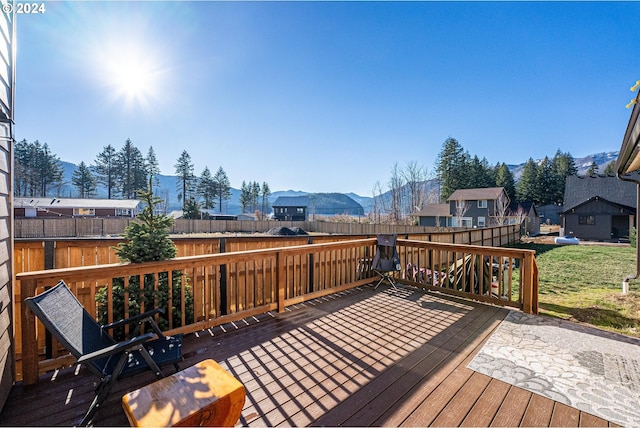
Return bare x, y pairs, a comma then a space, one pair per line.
132, 75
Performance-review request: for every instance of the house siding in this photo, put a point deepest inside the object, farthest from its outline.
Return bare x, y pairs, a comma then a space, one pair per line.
474, 212
607, 222
7, 61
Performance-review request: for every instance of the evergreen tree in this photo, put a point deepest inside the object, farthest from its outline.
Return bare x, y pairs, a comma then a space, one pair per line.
186, 178
50, 167
222, 187
152, 167
610, 168
545, 183
255, 195
593, 169
450, 167
191, 209
131, 172
84, 181
206, 189
105, 169
478, 174
36, 169
563, 165
245, 196
22, 169
526, 187
265, 192
147, 239
504, 178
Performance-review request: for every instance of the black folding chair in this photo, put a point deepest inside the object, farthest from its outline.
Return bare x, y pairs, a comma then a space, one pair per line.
386, 260
67, 320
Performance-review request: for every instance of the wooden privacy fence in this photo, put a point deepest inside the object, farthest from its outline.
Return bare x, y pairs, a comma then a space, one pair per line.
81, 227
230, 286
39, 254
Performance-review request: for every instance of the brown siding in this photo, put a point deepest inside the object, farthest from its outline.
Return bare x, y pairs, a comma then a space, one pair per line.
7, 61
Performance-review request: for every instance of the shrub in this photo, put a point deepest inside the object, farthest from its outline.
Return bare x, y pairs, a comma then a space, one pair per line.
147, 239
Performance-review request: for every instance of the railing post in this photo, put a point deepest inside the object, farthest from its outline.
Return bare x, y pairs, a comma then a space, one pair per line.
529, 301
29, 339
280, 279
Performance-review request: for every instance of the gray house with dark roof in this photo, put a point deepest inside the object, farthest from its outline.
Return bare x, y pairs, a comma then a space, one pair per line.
293, 208
470, 207
599, 208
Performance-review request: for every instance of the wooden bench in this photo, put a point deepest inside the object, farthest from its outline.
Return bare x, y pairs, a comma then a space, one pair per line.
202, 395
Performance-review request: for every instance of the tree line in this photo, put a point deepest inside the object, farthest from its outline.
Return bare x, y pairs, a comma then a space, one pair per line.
542, 183
123, 173
410, 188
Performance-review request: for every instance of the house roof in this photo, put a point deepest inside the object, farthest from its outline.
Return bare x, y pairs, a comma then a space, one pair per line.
527, 207
291, 201
50, 202
489, 193
435, 210
629, 157
579, 189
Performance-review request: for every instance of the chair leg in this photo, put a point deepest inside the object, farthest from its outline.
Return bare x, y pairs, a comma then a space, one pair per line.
103, 389
153, 366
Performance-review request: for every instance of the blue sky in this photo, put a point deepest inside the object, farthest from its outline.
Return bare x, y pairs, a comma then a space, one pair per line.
326, 96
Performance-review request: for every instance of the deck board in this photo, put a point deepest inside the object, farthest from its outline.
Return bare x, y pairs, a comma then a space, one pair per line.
363, 357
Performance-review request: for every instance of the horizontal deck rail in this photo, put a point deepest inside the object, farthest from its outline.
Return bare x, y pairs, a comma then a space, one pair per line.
232, 286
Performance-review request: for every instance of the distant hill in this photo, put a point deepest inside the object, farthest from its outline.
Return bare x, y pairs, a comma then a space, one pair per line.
583, 164
328, 203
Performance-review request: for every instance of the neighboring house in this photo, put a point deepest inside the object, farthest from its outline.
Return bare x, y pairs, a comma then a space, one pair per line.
530, 219
294, 208
470, 207
435, 215
61, 207
599, 207
550, 213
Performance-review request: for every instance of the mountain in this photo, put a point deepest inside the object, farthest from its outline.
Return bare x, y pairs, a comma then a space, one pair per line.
329, 203
583, 163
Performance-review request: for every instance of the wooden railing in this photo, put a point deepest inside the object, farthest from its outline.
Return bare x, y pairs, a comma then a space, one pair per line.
504, 276
231, 286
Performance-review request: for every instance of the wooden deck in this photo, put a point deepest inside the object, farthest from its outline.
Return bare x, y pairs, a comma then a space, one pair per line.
363, 357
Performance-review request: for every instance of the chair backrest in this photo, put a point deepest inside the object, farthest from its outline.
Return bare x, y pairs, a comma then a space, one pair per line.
67, 320
386, 258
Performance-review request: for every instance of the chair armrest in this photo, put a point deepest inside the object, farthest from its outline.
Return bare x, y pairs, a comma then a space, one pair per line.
118, 347
135, 318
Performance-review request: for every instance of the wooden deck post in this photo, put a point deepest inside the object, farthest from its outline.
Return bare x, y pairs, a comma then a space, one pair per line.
280, 281
29, 339
529, 291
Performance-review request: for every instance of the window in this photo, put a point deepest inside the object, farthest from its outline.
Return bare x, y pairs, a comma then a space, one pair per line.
482, 203
587, 219
481, 222
300, 210
123, 212
84, 211
466, 222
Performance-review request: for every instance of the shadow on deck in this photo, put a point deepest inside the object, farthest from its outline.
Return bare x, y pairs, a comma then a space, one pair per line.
363, 357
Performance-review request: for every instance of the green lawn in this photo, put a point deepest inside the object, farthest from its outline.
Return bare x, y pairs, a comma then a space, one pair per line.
584, 283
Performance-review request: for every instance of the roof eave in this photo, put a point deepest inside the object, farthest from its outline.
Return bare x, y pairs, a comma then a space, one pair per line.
629, 156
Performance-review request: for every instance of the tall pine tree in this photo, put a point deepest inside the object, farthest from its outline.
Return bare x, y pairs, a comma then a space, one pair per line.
450, 167
186, 179
105, 169
84, 181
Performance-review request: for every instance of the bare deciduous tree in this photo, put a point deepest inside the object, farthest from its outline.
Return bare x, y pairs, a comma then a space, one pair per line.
502, 209
461, 209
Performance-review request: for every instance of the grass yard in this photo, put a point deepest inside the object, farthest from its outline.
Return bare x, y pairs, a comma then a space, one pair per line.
583, 283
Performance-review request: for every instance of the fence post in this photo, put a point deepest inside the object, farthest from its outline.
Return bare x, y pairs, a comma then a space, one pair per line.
29, 339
